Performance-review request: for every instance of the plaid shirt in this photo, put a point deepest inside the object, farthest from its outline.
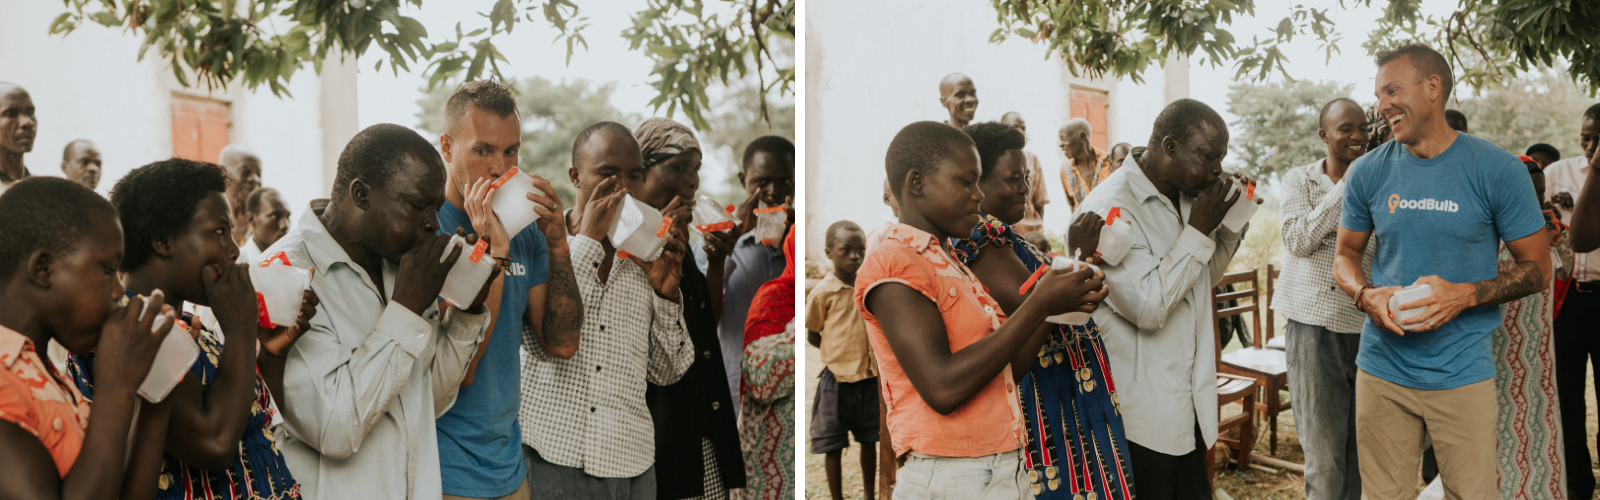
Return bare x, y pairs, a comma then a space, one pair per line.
588, 412
1307, 291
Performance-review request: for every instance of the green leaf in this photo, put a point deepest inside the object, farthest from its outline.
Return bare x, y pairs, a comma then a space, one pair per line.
107, 19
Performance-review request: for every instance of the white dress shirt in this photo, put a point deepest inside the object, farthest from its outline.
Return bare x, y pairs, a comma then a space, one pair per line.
588, 412
365, 383
1156, 324
1308, 292
1568, 176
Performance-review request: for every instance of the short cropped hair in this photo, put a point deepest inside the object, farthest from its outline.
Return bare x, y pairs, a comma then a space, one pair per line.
1555, 154
920, 146
46, 213
1456, 119
375, 155
1181, 119
253, 203
1593, 113
589, 132
1428, 62
770, 144
158, 200
1323, 115
843, 225
66, 152
993, 140
487, 95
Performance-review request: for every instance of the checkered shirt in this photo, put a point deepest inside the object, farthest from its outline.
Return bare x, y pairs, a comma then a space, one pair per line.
1307, 291
588, 412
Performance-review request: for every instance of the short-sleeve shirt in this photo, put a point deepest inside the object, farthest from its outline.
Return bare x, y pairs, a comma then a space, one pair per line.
36, 397
831, 312
480, 445
979, 427
1442, 216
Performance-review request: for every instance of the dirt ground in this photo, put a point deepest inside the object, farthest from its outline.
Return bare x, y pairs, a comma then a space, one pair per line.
1241, 485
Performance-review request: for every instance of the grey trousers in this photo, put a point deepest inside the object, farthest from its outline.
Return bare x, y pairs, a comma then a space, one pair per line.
552, 481
1322, 383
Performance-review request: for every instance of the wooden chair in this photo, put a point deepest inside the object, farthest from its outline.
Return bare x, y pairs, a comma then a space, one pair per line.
1243, 389
1272, 320
1269, 367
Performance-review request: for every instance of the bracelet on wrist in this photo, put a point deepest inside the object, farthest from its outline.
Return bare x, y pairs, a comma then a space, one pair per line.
1361, 294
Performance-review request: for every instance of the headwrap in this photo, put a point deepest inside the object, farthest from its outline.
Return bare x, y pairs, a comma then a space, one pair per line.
773, 305
660, 139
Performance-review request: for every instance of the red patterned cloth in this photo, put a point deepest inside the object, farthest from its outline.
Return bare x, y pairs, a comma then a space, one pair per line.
773, 306
1528, 427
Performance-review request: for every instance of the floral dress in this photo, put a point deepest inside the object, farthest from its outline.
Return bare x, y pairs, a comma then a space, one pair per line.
1076, 448
258, 472
768, 414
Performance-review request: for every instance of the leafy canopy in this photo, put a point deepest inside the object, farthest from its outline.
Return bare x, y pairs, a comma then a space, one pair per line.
265, 42
1488, 41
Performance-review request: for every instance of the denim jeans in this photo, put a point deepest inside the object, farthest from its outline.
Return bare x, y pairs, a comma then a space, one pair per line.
1322, 381
994, 477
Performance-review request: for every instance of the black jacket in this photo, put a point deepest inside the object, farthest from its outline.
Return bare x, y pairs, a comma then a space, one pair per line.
698, 405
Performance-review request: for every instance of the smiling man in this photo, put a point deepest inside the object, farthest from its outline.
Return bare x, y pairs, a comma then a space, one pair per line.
1441, 202
18, 128
1324, 329
958, 96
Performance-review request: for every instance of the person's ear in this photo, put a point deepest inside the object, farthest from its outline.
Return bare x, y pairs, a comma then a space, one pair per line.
1322, 134
444, 147
741, 176
360, 193
39, 266
913, 185
572, 175
1169, 146
162, 247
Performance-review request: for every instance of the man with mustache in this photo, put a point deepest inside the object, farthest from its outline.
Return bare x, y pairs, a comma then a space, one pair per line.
1324, 329
959, 96
80, 160
244, 175
18, 127
1086, 166
1441, 202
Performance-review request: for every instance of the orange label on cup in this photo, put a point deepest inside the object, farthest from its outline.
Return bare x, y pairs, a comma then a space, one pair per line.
479, 249
1250, 190
622, 254
504, 178
1112, 215
277, 256
715, 226
666, 225
769, 210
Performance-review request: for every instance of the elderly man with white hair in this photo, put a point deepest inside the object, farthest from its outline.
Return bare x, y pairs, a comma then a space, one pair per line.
244, 177
1086, 165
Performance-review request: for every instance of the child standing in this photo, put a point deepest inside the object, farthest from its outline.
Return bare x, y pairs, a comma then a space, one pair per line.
847, 390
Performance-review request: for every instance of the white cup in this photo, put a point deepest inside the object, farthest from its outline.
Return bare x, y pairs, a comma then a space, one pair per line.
1116, 238
1242, 210
280, 289
710, 218
173, 360
510, 201
1071, 318
1408, 295
468, 274
639, 229
770, 224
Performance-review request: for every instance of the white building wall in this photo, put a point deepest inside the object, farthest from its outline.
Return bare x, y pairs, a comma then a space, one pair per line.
874, 67
90, 84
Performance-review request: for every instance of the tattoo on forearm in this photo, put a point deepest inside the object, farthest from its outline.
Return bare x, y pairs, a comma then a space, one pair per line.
563, 318
1518, 282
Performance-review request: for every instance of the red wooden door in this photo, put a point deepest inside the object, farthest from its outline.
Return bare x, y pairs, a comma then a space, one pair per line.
199, 128
1091, 105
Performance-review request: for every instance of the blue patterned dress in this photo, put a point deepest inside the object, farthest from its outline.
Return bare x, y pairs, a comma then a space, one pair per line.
258, 472
1076, 447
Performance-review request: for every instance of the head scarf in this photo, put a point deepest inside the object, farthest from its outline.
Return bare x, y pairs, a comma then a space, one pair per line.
660, 139
773, 306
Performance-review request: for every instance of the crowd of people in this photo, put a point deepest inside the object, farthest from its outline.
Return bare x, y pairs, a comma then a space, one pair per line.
954, 317
577, 371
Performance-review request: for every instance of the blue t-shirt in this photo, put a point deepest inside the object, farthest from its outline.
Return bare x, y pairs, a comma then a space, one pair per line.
480, 442
1443, 216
